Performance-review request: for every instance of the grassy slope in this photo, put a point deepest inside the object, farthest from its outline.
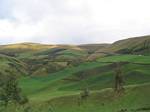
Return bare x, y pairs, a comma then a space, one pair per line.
29, 50
99, 75
129, 58
54, 94
35, 84
134, 98
12, 64
137, 45
93, 47
43, 59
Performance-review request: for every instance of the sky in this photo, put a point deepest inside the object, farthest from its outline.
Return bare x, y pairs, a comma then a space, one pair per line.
72, 21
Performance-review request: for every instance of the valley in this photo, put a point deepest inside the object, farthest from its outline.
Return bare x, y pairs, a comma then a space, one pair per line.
54, 76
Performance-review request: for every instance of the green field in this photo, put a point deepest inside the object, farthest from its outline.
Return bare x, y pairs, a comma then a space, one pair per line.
56, 93
127, 58
134, 99
53, 77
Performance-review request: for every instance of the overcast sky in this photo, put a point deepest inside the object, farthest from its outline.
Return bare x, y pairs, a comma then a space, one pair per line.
72, 21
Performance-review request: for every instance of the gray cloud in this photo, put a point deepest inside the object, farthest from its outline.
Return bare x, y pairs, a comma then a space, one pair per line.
72, 21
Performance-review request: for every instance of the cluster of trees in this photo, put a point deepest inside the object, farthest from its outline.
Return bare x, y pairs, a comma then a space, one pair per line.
9, 90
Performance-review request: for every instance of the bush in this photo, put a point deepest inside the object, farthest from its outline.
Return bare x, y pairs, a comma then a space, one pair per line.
9, 90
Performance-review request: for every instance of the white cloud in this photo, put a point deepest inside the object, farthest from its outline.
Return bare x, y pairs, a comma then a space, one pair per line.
74, 21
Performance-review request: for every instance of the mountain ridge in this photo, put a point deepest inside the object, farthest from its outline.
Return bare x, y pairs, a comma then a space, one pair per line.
45, 58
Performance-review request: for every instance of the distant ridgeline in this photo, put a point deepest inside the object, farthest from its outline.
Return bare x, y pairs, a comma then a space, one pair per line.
91, 77
40, 59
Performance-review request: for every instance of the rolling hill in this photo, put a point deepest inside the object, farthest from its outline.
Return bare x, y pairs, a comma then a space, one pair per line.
13, 65
91, 48
42, 59
136, 45
54, 76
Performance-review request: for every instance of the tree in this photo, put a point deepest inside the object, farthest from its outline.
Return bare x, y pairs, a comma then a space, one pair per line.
9, 90
118, 78
146, 44
85, 92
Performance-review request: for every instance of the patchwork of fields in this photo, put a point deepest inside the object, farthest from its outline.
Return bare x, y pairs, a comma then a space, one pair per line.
63, 93
54, 77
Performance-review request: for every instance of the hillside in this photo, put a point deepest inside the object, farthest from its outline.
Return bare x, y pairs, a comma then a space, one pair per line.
62, 89
98, 75
106, 101
43, 59
13, 65
24, 50
136, 45
54, 76
91, 48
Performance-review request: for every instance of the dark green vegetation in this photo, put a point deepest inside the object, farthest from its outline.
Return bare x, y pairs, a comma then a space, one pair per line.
9, 90
65, 78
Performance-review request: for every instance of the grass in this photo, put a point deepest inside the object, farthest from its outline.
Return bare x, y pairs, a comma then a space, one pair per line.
134, 99
98, 76
106, 101
60, 91
13, 65
53, 93
33, 85
129, 58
